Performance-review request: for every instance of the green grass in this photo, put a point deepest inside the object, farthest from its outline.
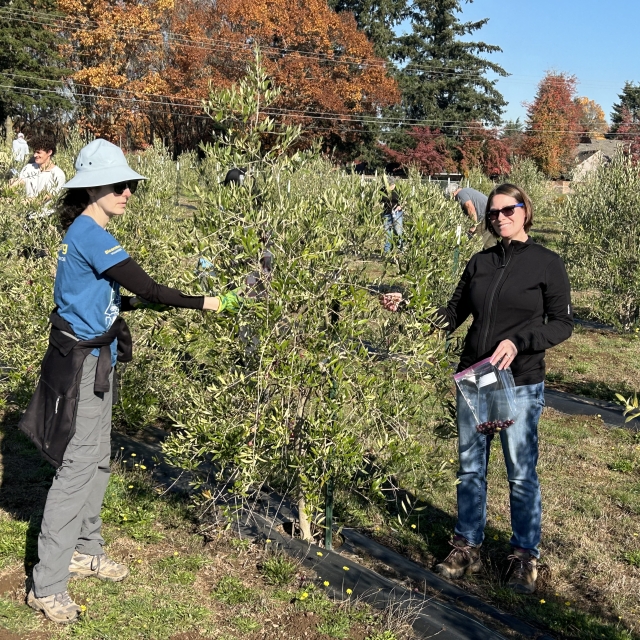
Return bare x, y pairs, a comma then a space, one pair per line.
12, 540
590, 478
177, 585
230, 590
596, 364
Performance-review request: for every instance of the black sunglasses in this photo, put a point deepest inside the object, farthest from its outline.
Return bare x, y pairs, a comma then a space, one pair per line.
507, 211
119, 188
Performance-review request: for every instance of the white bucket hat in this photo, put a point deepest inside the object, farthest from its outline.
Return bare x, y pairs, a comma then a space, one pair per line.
101, 163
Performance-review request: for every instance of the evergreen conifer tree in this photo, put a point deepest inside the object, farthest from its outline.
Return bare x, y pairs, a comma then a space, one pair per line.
377, 18
30, 66
629, 105
443, 78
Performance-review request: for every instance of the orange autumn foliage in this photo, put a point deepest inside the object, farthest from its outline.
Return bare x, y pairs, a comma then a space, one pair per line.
164, 57
553, 125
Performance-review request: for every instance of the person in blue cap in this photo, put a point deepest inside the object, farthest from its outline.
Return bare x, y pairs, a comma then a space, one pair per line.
69, 417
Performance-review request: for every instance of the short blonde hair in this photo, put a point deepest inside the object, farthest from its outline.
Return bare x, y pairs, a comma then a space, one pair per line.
520, 195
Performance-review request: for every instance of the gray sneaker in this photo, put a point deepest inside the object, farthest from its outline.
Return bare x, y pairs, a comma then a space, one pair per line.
464, 558
99, 566
59, 607
524, 572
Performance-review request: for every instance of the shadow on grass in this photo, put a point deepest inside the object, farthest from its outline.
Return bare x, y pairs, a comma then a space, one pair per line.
24, 484
424, 537
596, 389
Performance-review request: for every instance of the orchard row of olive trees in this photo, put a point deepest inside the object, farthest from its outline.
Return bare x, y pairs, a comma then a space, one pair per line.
312, 382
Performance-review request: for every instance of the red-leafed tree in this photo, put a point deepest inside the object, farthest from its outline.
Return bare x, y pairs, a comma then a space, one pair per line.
481, 148
553, 124
430, 155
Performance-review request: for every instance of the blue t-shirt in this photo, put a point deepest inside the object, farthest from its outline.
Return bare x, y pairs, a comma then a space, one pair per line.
88, 300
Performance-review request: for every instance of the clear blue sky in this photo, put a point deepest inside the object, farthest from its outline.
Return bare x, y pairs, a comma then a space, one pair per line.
598, 42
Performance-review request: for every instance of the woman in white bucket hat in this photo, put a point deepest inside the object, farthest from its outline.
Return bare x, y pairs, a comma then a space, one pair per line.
69, 417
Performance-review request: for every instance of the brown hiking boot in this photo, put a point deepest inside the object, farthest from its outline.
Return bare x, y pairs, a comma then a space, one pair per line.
524, 571
59, 607
463, 559
98, 566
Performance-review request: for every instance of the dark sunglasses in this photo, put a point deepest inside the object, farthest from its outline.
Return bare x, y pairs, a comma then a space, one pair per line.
507, 211
119, 188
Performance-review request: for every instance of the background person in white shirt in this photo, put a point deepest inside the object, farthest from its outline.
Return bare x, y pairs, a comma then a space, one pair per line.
20, 148
42, 175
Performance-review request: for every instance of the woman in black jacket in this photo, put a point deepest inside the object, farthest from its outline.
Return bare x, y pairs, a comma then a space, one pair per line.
519, 297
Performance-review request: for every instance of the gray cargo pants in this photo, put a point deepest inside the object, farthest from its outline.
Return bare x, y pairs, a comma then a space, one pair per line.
72, 513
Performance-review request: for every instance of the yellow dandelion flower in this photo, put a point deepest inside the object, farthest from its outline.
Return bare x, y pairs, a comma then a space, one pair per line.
122, 448
450, 460
139, 561
349, 592
346, 568
130, 486
135, 465
542, 601
319, 553
83, 608
175, 553
413, 526
267, 540
568, 603
304, 596
133, 455
143, 467
326, 583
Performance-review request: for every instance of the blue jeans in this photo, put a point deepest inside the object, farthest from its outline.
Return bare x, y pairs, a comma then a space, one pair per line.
520, 448
392, 224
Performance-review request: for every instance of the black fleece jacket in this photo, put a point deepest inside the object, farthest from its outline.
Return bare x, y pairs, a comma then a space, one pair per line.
520, 293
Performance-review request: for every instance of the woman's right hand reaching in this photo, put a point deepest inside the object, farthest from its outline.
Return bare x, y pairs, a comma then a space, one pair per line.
229, 302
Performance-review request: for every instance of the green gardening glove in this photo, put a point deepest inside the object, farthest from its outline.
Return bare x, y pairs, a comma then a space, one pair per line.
230, 302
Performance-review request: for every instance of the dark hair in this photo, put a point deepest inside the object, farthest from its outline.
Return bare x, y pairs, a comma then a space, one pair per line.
45, 142
71, 205
520, 195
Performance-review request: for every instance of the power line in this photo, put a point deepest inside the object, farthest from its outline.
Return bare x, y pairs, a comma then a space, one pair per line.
283, 112
275, 111
280, 112
214, 44
188, 41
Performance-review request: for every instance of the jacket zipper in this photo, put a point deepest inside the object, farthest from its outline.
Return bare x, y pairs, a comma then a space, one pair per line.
493, 292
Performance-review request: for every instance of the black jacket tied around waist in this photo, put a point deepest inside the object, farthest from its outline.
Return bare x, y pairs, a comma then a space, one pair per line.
49, 420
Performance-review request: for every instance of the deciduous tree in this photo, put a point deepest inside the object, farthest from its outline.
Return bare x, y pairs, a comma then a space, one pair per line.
553, 123
481, 148
592, 120
430, 155
168, 56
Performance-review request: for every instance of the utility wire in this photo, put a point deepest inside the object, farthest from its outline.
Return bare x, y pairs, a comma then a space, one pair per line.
266, 112
170, 101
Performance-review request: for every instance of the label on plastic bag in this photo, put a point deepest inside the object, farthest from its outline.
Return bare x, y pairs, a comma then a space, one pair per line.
489, 378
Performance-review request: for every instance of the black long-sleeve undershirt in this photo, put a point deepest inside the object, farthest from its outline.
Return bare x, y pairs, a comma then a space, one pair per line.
133, 277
